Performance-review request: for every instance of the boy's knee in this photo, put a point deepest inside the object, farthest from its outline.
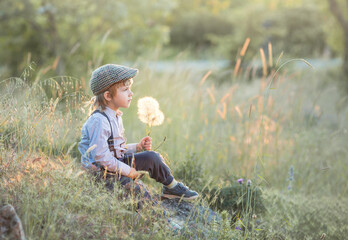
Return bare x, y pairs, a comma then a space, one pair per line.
154, 156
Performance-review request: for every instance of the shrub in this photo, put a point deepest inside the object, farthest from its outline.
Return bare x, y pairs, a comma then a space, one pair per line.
234, 199
190, 171
298, 32
197, 28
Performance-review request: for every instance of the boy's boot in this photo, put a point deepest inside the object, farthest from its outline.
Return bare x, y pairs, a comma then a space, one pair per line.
179, 191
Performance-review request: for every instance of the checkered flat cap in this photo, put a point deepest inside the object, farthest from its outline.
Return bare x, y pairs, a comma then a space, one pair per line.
105, 76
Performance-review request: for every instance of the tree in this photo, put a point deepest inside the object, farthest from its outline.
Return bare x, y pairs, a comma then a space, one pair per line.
79, 32
340, 13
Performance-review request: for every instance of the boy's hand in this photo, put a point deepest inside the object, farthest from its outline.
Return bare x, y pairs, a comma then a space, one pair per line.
133, 174
145, 144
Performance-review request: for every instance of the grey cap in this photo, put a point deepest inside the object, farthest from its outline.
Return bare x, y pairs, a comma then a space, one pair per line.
106, 75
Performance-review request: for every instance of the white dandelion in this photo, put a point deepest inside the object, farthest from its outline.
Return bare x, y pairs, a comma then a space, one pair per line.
147, 104
149, 113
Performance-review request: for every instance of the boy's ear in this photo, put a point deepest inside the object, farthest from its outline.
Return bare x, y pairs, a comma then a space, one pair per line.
107, 96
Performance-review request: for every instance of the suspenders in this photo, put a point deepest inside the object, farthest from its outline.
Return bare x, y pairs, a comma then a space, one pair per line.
110, 139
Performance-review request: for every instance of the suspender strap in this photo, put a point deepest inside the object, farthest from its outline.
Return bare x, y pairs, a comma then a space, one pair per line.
104, 114
111, 138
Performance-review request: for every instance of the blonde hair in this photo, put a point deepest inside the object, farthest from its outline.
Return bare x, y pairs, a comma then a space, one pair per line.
98, 102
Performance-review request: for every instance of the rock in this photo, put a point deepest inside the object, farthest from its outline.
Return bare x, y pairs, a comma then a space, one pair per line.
10, 224
189, 215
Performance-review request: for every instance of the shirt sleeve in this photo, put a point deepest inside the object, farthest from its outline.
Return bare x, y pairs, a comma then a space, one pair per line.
132, 148
99, 133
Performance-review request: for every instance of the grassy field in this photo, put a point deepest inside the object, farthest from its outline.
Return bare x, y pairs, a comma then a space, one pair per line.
289, 139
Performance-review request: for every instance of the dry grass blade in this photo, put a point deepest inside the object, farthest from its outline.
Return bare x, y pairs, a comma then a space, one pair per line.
205, 78
245, 47
91, 148
279, 58
236, 67
106, 35
238, 111
270, 54
306, 62
264, 64
223, 113
211, 95
55, 63
224, 97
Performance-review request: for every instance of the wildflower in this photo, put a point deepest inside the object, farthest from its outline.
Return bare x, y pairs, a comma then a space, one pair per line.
291, 178
254, 216
149, 112
291, 173
249, 183
240, 181
238, 228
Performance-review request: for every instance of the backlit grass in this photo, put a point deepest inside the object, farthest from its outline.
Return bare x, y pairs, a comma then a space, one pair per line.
290, 141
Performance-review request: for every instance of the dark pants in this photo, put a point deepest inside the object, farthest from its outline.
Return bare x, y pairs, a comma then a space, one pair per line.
149, 161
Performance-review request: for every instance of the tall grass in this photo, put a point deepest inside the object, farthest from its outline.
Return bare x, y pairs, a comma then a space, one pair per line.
227, 128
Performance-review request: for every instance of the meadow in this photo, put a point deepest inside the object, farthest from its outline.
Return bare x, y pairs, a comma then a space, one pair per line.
289, 138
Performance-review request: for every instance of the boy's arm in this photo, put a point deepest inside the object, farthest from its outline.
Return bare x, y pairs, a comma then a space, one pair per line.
132, 148
144, 143
99, 133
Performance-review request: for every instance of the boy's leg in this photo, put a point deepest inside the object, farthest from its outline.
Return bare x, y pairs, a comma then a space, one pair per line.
110, 178
153, 163
137, 189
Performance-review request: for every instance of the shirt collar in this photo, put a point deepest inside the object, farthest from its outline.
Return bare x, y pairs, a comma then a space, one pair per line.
113, 113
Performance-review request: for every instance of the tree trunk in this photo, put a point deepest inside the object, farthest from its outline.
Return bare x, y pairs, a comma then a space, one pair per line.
338, 12
345, 59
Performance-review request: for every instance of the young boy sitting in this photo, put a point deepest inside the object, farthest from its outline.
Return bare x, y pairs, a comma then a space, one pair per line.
103, 145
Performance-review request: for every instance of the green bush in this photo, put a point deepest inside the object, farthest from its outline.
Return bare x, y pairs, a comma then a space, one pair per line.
195, 29
296, 31
190, 171
238, 199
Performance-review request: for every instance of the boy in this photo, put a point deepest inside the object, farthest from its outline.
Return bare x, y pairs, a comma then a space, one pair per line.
103, 146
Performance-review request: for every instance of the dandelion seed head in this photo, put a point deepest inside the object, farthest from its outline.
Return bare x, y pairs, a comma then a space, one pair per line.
158, 119
148, 103
149, 112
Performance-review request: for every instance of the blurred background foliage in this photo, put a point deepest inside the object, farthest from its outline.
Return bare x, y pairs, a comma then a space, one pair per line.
287, 132
81, 35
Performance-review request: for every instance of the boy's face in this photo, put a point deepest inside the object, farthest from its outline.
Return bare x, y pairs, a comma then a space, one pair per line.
121, 99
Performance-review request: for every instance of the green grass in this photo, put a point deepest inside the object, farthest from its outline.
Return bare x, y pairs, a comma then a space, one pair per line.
304, 126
